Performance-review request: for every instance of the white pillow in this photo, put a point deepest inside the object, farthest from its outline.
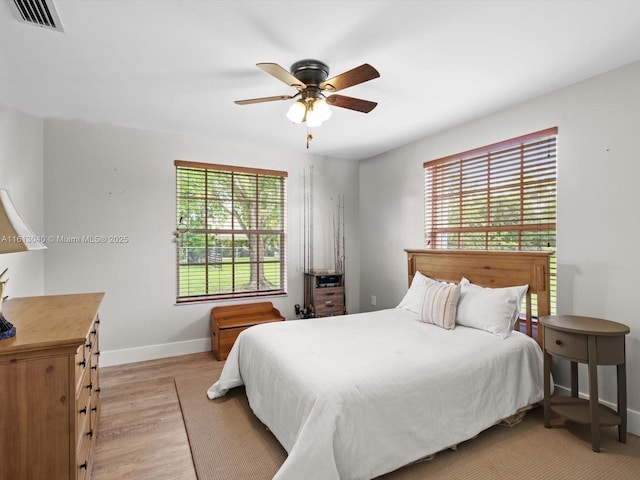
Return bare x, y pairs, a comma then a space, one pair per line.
495, 310
440, 304
414, 297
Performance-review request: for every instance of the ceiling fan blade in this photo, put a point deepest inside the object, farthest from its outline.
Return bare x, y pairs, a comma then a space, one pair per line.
364, 106
357, 75
281, 74
263, 99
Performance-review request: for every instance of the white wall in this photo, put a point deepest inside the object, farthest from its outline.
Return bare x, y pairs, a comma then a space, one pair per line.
21, 173
115, 181
598, 194
106, 180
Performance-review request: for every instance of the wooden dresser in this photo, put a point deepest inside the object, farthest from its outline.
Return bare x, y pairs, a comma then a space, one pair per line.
324, 294
49, 387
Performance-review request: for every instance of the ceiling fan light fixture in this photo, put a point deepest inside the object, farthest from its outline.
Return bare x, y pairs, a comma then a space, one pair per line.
297, 111
321, 110
312, 111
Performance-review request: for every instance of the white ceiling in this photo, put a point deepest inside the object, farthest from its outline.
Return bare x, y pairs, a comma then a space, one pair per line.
178, 65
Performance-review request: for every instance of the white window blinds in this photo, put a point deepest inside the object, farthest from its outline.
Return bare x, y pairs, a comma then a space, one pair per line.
231, 227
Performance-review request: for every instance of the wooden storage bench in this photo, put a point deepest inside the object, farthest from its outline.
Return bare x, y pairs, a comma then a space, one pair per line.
227, 322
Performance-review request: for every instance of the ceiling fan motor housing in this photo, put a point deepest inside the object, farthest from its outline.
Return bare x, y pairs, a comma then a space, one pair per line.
310, 72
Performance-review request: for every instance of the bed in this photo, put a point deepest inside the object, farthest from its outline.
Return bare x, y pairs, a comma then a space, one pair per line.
357, 396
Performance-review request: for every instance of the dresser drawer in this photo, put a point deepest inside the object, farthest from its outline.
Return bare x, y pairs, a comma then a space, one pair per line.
322, 295
83, 405
329, 308
95, 410
83, 459
95, 364
81, 361
90, 344
566, 344
85, 426
330, 302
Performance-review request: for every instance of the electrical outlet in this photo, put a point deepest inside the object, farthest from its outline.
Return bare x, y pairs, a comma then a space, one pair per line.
373, 300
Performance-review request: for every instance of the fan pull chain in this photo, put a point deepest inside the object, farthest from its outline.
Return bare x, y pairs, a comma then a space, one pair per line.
309, 138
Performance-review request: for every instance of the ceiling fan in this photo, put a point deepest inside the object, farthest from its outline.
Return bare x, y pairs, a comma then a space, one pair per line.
309, 77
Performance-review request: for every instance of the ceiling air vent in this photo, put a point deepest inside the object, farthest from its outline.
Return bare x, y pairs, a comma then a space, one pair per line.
41, 13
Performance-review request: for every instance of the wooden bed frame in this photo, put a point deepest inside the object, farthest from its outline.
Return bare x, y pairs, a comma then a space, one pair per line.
493, 269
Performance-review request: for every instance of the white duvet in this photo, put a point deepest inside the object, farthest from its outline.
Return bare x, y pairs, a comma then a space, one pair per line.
357, 396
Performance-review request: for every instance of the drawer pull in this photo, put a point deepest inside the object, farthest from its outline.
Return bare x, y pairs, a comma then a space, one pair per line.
90, 386
84, 465
328, 303
98, 390
94, 367
558, 342
93, 332
83, 410
90, 433
89, 345
94, 409
83, 363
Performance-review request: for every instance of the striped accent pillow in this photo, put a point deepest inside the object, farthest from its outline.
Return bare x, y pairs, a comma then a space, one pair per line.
440, 304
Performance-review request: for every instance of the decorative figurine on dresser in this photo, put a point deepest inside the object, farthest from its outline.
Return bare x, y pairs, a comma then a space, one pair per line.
7, 330
15, 236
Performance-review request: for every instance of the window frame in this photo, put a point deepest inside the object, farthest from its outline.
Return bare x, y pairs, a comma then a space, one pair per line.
537, 215
231, 229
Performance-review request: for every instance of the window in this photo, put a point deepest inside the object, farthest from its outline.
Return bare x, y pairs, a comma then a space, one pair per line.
231, 231
498, 197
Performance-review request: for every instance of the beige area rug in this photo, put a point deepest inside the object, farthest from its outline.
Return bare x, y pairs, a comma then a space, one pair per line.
229, 443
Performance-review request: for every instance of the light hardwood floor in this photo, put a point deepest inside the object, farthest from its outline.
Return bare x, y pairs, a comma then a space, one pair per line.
141, 434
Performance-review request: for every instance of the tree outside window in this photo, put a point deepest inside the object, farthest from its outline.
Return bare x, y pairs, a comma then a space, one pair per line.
231, 231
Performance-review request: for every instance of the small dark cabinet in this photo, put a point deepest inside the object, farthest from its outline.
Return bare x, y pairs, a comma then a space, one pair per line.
324, 293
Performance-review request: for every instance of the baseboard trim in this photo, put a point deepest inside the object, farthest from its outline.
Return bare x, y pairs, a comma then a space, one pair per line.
151, 352
633, 416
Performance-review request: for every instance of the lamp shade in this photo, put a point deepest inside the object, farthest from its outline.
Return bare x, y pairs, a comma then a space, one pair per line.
15, 234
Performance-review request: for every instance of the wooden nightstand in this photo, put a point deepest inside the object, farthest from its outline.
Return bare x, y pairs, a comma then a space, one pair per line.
595, 342
324, 293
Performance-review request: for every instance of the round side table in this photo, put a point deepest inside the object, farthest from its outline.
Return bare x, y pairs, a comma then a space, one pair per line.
593, 341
